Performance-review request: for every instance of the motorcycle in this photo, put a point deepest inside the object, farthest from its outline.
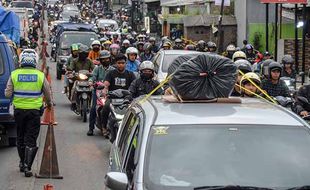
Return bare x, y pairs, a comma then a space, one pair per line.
290, 83
79, 81
286, 102
119, 104
101, 100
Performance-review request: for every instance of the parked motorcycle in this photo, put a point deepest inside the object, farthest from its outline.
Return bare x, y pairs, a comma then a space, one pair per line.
120, 100
79, 81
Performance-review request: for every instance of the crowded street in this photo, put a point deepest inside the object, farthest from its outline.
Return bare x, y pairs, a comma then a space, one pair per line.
154, 94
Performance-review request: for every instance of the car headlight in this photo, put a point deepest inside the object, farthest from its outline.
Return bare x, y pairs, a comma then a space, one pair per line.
82, 76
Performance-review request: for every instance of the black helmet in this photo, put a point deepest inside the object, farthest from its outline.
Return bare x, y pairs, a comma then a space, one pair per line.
265, 67
287, 59
243, 65
201, 43
104, 54
274, 66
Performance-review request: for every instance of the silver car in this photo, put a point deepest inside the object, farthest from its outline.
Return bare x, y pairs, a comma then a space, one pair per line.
243, 143
163, 59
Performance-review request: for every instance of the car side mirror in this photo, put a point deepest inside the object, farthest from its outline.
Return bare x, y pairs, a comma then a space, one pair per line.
116, 181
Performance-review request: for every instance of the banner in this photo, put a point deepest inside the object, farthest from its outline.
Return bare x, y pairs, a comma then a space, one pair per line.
284, 1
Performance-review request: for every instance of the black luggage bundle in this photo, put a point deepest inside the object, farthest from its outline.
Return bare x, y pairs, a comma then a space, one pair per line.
204, 77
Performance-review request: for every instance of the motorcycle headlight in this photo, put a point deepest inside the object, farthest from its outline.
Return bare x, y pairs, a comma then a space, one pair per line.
82, 76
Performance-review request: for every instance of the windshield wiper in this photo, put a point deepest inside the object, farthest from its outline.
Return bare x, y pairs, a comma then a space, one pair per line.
232, 187
305, 187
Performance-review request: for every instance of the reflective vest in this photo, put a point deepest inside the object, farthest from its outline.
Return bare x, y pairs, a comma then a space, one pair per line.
28, 84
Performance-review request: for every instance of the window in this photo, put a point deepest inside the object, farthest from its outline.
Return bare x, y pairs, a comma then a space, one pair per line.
124, 142
130, 158
1, 62
177, 10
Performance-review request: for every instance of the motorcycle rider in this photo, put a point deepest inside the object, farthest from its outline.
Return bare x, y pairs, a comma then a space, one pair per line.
155, 48
119, 78
98, 74
245, 83
125, 45
211, 47
288, 63
132, 63
82, 63
95, 52
250, 53
147, 55
201, 46
273, 85
245, 67
178, 44
114, 50
140, 46
230, 50
145, 83
73, 57
238, 55
167, 45
302, 108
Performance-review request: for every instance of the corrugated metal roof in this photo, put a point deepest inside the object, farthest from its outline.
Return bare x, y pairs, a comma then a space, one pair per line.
207, 20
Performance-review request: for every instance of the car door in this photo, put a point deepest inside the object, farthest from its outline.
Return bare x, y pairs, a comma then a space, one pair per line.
118, 150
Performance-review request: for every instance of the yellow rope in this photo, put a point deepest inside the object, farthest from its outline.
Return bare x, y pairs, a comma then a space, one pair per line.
259, 88
241, 87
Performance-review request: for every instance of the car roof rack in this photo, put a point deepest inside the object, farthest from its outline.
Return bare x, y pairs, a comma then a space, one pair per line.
178, 99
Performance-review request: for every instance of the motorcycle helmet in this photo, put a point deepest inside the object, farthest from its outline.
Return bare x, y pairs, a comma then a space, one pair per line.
178, 40
147, 47
28, 61
249, 47
211, 46
252, 76
83, 49
115, 46
102, 40
287, 59
190, 47
108, 42
274, 66
132, 50
167, 44
238, 55
96, 42
244, 66
74, 47
104, 54
152, 39
126, 42
29, 52
231, 47
146, 65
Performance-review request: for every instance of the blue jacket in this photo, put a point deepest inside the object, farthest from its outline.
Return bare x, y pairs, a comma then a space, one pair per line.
132, 66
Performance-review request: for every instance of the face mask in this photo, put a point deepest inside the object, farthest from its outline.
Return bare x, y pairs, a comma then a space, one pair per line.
104, 63
146, 76
96, 49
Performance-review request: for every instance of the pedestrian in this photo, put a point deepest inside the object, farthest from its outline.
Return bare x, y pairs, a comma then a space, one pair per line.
26, 84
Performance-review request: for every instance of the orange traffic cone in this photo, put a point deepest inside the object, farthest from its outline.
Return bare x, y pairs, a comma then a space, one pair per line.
48, 187
49, 117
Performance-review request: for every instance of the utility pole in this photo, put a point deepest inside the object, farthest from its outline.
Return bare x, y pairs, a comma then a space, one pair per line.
220, 39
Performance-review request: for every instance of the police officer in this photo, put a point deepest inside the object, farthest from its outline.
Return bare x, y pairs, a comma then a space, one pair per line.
27, 85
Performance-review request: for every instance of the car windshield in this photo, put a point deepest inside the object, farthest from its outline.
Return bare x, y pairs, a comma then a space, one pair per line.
71, 8
85, 38
23, 4
108, 23
179, 156
169, 58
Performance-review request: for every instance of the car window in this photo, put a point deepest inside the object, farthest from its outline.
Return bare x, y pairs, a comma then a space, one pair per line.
1, 62
156, 67
131, 154
124, 142
199, 155
158, 61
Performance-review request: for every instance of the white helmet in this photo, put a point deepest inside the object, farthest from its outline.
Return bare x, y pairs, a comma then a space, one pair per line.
96, 42
131, 50
126, 42
27, 53
146, 65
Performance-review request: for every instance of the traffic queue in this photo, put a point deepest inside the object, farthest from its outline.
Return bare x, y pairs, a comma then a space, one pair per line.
155, 97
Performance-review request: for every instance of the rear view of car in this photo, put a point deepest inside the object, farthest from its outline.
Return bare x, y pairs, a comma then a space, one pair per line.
7, 123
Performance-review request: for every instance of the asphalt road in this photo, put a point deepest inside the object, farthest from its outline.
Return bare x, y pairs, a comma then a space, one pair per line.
83, 160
